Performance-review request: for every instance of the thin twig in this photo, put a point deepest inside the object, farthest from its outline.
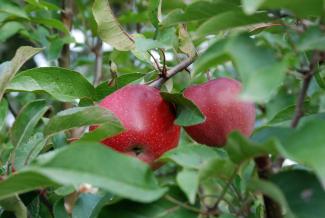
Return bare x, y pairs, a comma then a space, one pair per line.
97, 50
225, 189
173, 71
164, 70
181, 204
156, 62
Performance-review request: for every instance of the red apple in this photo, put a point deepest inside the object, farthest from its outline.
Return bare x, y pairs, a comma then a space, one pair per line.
148, 121
219, 101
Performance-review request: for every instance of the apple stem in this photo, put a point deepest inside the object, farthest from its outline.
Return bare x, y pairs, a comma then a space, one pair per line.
172, 72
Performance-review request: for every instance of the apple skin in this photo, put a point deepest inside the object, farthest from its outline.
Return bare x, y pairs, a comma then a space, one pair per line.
148, 121
219, 101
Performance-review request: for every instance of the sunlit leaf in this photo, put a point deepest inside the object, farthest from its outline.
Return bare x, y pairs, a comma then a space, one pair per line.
9, 69
82, 116
87, 163
63, 84
109, 30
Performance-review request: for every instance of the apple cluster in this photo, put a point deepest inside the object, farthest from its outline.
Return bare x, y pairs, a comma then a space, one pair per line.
149, 125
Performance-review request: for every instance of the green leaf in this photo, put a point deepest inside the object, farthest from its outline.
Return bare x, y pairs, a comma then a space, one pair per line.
287, 113
161, 209
320, 81
297, 146
5, 152
190, 156
3, 112
28, 151
82, 116
271, 191
227, 216
153, 12
9, 69
311, 39
89, 205
14, 204
186, 44
251, 6
267, 134
12, 10
22, 131
198, 10
168, 37
49, 22
305, 195
9, 29
125, 79
143, 44
22, 182
104, 89
56, 45
219, 167
188, 181
229, 20
187, 112
59, 211
26, 121
105, 130
43, 5
260, 71
87, 163
137, 51
109, 30
303, 8
240, 148
63, 84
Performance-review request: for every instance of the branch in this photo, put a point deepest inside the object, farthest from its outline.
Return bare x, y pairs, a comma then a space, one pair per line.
317, 58
299, 112
264, 167
173, 71
156, 62
264, 163
66, 17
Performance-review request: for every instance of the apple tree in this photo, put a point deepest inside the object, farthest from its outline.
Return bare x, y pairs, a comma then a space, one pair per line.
162, 108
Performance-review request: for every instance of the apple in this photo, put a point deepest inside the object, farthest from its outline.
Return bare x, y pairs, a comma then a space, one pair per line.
225, 112
148, 121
